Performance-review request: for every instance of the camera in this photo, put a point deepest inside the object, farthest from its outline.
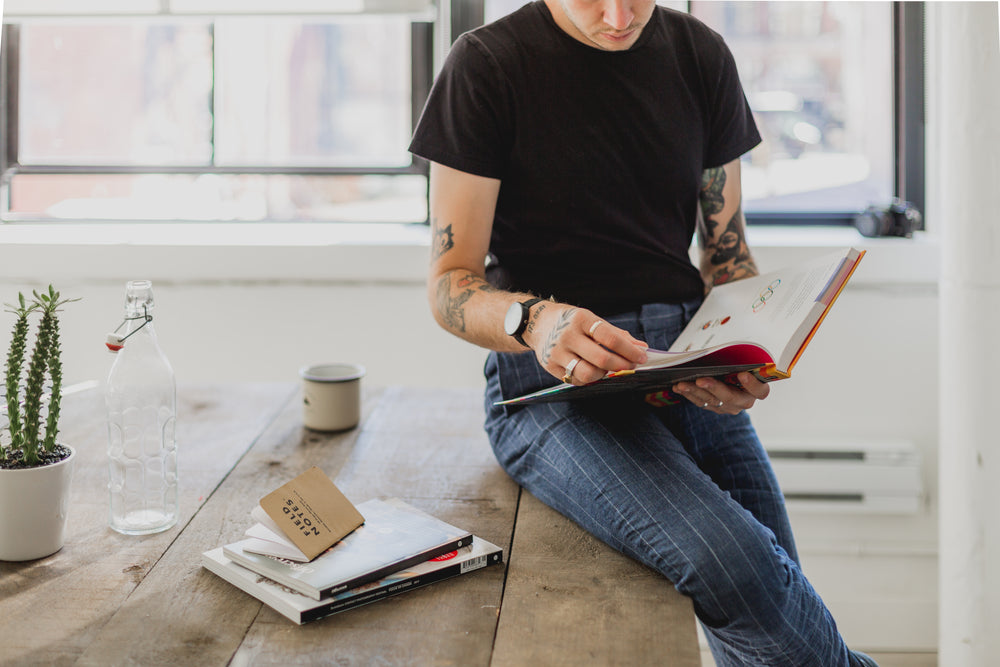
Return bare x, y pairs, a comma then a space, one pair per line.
900, 219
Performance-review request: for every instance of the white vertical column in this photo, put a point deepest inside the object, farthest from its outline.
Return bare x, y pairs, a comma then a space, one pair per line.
968, 198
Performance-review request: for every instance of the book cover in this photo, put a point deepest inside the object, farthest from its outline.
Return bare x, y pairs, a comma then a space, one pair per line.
395, 535
308, 514
760, 324
302, 609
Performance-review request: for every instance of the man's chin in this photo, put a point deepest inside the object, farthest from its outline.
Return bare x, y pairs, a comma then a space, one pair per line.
616, 42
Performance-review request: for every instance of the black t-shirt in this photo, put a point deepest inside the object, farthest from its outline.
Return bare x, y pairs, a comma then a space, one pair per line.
600, 153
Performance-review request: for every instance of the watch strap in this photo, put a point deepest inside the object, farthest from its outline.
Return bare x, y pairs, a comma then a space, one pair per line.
525, 314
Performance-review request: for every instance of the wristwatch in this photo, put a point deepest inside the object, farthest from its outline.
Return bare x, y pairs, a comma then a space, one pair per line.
516, 319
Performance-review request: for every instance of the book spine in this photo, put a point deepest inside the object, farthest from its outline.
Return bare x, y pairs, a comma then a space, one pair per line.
385, 570
492, 558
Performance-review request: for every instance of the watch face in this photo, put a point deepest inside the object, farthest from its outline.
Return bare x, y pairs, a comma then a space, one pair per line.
512, 320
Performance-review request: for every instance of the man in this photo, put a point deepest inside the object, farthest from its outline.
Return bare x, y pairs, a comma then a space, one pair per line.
575, 146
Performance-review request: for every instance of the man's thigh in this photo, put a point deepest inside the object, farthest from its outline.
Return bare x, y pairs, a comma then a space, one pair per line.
620, 473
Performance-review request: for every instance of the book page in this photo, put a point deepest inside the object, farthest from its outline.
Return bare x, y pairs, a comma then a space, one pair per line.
776, 310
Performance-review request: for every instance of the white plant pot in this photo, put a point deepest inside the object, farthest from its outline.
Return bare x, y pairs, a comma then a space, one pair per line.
33, 504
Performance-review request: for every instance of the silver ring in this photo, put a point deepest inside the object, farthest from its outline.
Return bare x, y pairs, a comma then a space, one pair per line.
720, 404
705, 404
593, 327
568, 376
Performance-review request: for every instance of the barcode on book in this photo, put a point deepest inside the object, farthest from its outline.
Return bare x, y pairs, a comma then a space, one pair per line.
473, 564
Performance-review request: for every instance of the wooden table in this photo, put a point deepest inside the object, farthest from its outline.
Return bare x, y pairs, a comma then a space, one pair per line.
561, 598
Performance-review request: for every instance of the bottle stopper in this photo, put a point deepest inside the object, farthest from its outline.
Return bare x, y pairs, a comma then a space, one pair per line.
114, 343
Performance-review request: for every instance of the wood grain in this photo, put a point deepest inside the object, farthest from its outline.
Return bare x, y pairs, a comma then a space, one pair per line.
108, 599
52, 609
572, 600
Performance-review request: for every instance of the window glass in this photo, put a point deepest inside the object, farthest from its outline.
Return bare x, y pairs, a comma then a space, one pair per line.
335, 94
818, 76
120, 93
201, 99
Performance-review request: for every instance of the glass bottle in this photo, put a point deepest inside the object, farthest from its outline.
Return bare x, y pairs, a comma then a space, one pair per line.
141, 399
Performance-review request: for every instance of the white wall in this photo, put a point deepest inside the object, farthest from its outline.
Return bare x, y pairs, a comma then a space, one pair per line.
258, 301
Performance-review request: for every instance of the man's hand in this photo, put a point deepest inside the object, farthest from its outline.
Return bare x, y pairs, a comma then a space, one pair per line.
723, 398
577, 346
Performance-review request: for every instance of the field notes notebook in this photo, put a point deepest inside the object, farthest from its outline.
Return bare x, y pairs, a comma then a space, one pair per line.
310, 511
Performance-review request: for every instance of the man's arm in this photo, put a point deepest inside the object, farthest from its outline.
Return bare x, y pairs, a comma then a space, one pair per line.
463, 302
725, 255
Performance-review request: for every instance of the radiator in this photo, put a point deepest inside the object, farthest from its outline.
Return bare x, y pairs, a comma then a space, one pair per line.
846, 475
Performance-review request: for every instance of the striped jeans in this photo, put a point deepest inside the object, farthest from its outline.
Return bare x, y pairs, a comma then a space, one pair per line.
680, 489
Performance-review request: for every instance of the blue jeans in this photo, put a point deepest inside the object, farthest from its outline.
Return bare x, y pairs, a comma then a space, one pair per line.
680, 489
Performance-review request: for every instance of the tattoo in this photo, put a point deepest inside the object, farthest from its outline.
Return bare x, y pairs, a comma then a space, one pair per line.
713, 181
534, 317
443, 240
730, 245
561, 324
736, 272
451, 305
728, 255
468, 280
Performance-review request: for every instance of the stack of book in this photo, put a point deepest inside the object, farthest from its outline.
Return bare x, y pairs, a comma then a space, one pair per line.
396, 549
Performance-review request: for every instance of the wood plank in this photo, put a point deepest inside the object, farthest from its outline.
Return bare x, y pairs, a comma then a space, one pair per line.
201, 622
427, 447
51, 609
204, 620
572, 600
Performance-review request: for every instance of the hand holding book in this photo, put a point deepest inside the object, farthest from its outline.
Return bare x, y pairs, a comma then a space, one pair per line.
760, 324
730, 394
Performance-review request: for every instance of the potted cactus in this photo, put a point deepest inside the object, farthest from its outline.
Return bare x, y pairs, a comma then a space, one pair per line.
35, 469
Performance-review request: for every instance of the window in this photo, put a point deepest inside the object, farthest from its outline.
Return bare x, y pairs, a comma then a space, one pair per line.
304, 117
836, 89
246, 118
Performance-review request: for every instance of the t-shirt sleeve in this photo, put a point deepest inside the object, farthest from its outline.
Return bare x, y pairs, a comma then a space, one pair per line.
731, 130
464, 125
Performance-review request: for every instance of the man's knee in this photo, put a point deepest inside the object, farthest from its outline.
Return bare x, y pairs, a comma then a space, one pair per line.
728, 578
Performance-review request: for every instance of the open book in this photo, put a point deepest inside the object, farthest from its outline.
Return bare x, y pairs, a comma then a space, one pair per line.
760, 324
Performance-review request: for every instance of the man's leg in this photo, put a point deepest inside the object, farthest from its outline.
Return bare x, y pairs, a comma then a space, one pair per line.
622, 475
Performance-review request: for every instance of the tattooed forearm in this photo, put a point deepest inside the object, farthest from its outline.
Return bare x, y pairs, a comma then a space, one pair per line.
713, 181
728, 257
443, 240
561, 324
452, 299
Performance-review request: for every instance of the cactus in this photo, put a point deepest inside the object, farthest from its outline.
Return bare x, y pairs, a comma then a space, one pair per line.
24, 399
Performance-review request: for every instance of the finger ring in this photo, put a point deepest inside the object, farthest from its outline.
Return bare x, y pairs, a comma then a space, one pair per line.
720, 404
569, 370
593, 327
705, 404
